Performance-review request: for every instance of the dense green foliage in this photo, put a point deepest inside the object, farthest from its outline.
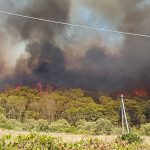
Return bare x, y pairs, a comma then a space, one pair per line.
131, 138
99, 127
103, 126
145, 129
45, 142
69, 110
5, 123
27, 142
60, 126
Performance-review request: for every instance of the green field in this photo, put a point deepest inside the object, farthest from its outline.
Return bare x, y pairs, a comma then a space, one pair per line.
13, 140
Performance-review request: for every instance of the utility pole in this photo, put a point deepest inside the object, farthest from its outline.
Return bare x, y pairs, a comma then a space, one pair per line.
124, 116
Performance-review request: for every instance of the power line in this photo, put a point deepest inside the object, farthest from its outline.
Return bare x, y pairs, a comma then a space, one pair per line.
75, 25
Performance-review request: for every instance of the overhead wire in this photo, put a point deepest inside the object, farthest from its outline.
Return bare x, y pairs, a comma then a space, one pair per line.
74, 25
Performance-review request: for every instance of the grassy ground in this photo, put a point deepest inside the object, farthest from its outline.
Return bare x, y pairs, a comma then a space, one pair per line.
69, 137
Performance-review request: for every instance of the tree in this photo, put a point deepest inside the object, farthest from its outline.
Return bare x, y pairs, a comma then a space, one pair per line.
48, 108
146, 109
134, 111
16, 106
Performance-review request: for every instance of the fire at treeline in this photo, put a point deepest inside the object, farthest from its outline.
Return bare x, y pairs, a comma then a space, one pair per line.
28, 105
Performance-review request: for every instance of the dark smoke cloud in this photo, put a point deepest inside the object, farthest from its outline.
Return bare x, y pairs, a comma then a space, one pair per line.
45, 59
97, 67
48, 9
136, 51
46, 63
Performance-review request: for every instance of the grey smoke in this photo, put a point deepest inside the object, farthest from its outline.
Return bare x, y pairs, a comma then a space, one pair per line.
51, 57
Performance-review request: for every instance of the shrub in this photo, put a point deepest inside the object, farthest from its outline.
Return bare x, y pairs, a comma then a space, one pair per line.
5, 123
145, 129
27, 142
30, 125
42, 125
71, 129
131, 138
135, 130
85, 127
89, 126
17, 125
80, 122
103, 126
2, 110
59, 126
116, 131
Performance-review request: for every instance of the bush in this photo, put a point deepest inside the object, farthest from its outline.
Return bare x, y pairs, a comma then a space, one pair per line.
131, 138
116, 131
17, 125
89, 126
42, 125
2, 111
85, 127
5, 123
30, 124
80, 122
145, 129
59, 126
103, 126
27, 142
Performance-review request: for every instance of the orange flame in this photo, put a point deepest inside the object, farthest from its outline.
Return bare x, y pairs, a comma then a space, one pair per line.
18, 87
39, 87
140, 93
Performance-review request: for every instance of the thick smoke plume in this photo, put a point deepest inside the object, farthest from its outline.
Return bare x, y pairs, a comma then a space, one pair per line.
65, 57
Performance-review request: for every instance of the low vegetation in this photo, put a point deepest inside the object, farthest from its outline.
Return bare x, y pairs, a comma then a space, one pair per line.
131, 138
45, 142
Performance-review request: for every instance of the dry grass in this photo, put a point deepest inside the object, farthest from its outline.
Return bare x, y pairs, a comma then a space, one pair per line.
69, 137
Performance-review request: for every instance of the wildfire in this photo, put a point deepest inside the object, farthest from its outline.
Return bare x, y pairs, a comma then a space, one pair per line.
140, 92
39, 86
18, 87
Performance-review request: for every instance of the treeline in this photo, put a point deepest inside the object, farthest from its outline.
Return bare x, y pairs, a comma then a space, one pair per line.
72, 105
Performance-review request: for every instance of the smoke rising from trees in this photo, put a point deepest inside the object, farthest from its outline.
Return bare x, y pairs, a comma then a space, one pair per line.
66, 57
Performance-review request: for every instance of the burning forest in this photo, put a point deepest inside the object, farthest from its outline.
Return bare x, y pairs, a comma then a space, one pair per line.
33, 51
